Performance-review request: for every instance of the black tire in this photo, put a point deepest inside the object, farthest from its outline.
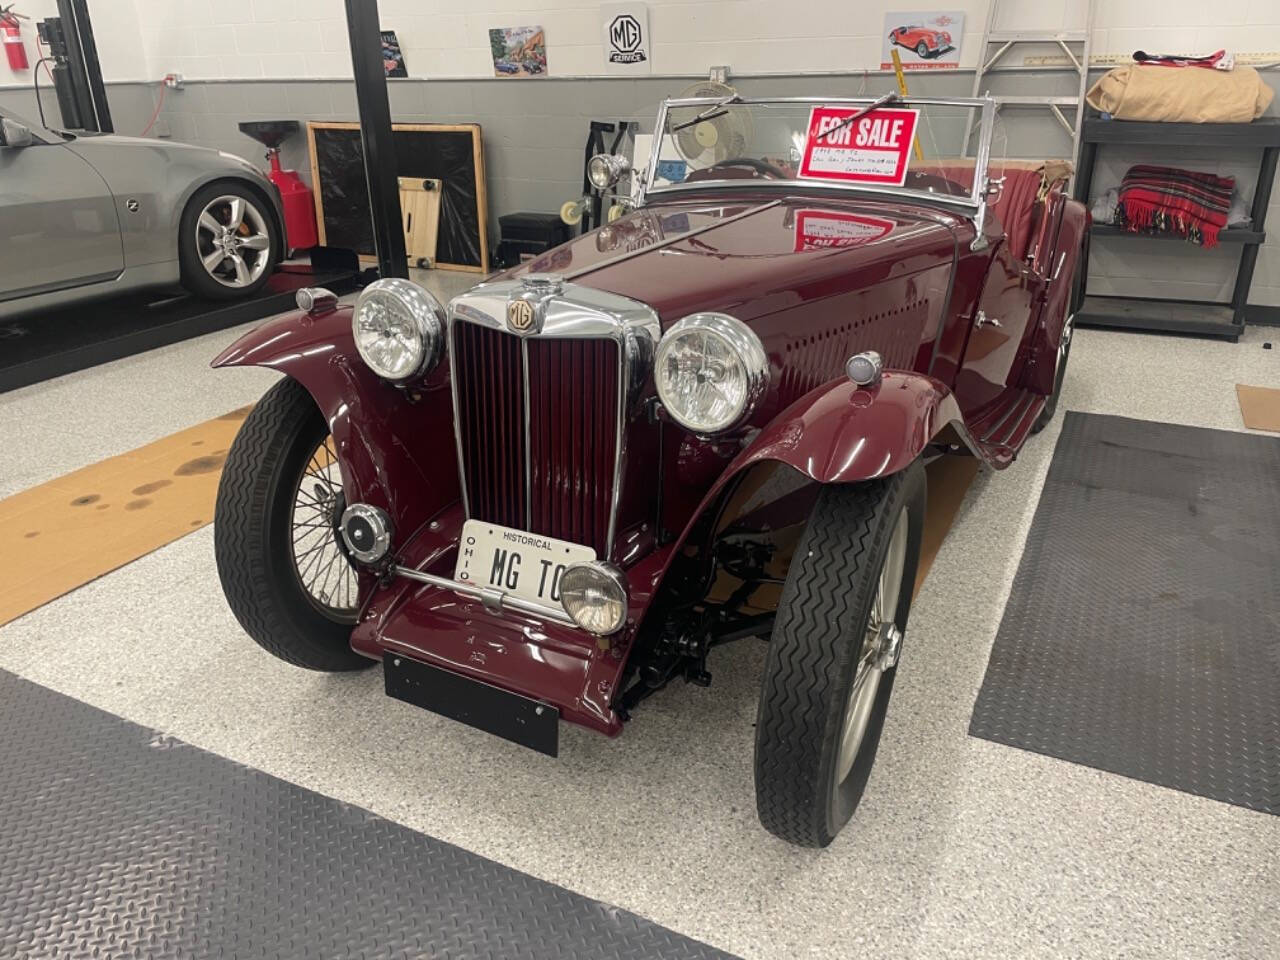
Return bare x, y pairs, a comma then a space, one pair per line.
814, 651
253, 534
1064, 354
195, 277
922, 50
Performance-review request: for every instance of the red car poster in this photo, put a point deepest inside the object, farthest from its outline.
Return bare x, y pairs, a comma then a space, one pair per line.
874, 148
828, 229
925, 40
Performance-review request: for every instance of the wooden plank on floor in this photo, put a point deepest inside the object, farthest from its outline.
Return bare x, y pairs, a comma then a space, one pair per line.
1260, 407
71, 530
949, 480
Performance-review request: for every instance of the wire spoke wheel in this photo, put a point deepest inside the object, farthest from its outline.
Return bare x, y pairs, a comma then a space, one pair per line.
326, 574
833, 654
872, 660
233, 242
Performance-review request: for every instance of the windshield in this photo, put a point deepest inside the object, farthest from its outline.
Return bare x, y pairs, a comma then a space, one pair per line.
938, 149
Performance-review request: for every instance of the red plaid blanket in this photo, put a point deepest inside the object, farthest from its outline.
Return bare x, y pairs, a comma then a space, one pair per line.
1166, 199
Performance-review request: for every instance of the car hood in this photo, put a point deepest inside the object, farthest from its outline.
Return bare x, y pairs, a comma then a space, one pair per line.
751, 257
92, 145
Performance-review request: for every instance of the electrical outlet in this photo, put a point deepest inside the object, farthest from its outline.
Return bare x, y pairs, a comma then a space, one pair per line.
173, 81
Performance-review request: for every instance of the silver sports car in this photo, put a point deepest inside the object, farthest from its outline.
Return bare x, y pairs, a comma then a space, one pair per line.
90, 215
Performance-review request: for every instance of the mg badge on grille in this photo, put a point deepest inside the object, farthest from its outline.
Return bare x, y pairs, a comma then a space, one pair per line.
520, 315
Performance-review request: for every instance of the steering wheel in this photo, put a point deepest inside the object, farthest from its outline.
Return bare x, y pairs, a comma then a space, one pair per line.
759, 166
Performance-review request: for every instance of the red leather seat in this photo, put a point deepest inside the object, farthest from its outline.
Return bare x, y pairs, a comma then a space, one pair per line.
1015, 207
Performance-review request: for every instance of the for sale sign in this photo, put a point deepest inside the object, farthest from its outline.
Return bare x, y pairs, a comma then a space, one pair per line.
829, 229
874, 148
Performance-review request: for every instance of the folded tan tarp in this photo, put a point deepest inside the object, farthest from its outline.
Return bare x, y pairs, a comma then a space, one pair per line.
1181, 94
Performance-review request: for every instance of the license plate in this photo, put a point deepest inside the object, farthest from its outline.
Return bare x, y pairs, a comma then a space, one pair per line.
528, 565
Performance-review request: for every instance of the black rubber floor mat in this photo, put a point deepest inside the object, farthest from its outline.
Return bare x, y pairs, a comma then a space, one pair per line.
57, 342
119, 842
1142, 634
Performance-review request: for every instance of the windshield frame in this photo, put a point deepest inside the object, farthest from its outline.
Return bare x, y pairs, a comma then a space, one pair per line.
974, 203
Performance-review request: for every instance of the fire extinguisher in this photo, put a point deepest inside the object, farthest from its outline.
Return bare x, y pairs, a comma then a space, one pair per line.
14, 48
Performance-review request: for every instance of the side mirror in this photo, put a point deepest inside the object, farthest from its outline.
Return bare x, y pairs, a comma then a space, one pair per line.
14, 134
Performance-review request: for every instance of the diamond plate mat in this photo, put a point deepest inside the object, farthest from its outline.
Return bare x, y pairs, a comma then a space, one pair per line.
119, 842
1142, 634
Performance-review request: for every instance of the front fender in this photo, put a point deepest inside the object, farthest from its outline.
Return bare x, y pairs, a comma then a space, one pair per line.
842, 433
396, 447
838, 433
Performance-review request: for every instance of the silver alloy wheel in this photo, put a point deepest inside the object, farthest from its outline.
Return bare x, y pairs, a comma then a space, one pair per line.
326, 574
232, 241
878, 653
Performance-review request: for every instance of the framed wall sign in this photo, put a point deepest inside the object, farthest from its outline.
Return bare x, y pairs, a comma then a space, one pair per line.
626, 38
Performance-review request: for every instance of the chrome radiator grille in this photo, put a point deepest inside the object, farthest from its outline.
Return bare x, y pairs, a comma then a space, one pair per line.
537, 422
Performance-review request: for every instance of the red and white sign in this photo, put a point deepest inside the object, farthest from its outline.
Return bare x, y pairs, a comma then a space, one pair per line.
874, 148
827, 229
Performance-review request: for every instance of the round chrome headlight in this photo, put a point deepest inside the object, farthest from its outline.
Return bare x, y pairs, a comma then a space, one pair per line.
710, 370
606, 169
595, 595
398, 328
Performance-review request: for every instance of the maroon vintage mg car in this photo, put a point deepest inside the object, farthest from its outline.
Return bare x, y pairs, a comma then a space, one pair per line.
703, 422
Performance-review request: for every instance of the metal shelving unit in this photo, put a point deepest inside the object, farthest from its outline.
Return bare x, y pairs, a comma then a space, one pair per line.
1180, 316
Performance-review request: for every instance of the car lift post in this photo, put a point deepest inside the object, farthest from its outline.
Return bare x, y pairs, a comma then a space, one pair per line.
83, 69
376, 142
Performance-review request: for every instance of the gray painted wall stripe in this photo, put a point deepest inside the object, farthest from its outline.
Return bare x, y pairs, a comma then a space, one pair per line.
534, 132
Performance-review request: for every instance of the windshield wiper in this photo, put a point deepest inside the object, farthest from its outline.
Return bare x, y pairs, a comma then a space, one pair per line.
875, 105
711, 113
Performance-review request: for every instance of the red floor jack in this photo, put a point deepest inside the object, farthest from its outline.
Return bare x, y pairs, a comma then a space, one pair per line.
295, 196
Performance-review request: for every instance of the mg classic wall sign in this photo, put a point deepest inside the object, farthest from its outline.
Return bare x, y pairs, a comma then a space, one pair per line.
626, 37
874, 148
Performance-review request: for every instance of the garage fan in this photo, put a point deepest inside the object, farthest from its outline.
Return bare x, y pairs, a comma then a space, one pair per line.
714, 139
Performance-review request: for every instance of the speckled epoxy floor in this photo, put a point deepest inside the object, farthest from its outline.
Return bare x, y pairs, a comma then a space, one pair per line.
962, 848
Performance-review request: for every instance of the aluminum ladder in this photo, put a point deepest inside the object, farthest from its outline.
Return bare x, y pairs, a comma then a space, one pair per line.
1074, 43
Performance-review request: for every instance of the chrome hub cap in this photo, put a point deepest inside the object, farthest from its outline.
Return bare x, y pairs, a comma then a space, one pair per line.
233, 242
326, 575
879, 649
890, 647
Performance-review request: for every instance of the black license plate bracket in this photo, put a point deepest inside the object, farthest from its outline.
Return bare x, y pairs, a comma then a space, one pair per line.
502, 713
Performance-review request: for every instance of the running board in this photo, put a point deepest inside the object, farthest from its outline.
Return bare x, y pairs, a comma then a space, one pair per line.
1001, 430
